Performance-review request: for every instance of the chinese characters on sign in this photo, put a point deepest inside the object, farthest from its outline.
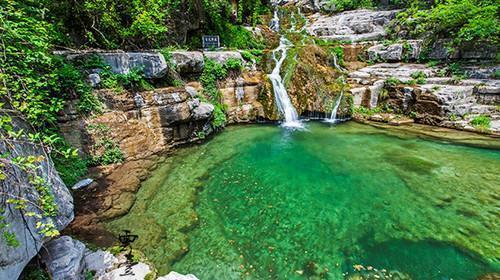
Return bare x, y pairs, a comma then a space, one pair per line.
210, 42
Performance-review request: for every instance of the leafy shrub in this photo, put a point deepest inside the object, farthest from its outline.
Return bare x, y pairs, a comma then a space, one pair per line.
419, 77
105, 150
464, 20
392, 81
481, 122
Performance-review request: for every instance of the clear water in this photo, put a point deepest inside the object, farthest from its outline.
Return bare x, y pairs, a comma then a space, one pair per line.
277, 204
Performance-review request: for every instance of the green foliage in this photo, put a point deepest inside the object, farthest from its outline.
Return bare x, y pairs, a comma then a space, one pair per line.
481, 122
212, 73
35, 273
344, 5
419, 77
89, 275
71, 169
392, 81
105, 150
237, 37
467, 21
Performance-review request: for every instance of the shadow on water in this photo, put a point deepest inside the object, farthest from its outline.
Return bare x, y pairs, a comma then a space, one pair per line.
424, 260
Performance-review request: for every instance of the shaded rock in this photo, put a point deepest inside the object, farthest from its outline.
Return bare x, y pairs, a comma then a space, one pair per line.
187, 62
94, 79
203, 111
14, 259
357, 25
64, 258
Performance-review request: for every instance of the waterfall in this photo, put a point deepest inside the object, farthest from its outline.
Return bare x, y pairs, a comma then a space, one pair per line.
333, 116
275, 22
240, 91
281, 96
283, 101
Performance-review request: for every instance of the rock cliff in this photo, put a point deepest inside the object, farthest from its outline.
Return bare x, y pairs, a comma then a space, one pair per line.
17, 185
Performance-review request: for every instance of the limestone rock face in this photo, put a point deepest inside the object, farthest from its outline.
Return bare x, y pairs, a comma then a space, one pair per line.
167, 117
223, 56
188, 63
440, 101
64, 258
241, 95
408, 50
355, 26
152, 63
13, 260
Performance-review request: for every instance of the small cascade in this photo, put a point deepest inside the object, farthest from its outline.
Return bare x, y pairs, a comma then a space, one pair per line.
275, 22
333, 116
283, 101
240, 91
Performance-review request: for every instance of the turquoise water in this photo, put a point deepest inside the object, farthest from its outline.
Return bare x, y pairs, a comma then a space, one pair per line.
278, 204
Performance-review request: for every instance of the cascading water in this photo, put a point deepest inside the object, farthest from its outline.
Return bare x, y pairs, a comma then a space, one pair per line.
283, 102
282, 99
240, 91
333, 116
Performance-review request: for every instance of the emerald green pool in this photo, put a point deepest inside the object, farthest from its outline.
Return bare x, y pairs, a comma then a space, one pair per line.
262, 202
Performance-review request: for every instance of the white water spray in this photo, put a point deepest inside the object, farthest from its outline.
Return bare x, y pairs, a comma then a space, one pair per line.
333, 116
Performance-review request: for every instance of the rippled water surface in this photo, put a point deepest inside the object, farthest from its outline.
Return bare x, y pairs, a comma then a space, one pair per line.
260, 202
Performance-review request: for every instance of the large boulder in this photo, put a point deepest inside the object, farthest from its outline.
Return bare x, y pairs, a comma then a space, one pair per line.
64, 258
407, 50
152, 63
187, 62
223, 56
355, 26
16, 185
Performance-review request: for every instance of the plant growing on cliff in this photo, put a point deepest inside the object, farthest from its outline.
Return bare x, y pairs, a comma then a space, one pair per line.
214, 72
105, 150
481, 122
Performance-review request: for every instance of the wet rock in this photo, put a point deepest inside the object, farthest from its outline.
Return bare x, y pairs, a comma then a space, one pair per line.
64, 258
355, 26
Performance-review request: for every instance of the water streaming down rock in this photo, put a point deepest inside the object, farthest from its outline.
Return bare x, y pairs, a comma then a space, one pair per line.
283, 101
333, 116
280, 94
240, 91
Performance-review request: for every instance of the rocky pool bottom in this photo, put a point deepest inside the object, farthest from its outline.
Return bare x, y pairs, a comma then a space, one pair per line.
262, 202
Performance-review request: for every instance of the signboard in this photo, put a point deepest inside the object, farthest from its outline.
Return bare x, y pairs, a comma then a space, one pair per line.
210, 42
